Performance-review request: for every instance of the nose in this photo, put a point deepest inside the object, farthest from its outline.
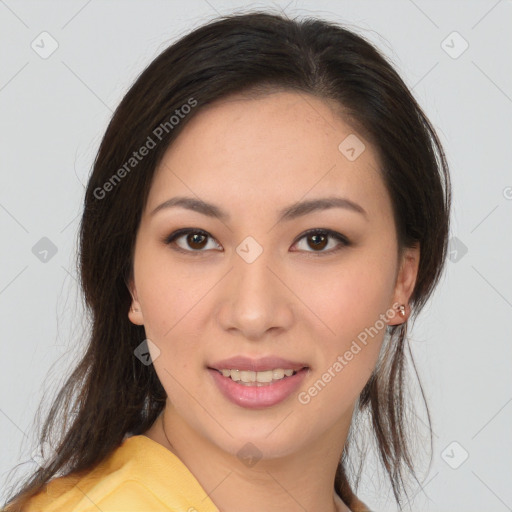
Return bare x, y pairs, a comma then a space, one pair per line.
255, 301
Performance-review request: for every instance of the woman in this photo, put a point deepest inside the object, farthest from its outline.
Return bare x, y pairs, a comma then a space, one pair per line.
268, 208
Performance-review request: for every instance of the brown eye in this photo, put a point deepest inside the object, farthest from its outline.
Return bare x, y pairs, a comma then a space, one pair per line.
317, 241
196, 240
191, 241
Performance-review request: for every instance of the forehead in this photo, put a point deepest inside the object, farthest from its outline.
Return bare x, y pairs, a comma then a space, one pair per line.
275, 148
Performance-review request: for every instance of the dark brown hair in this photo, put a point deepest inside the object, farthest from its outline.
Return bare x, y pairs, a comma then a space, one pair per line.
111, 395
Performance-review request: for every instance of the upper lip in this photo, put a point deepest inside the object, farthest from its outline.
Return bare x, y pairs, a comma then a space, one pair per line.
256, 365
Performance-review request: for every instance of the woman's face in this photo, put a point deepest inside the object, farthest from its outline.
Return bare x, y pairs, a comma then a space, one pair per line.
248, 282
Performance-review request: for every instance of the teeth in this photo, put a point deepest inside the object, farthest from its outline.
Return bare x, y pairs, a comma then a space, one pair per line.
277, 374
265, 377
246, 376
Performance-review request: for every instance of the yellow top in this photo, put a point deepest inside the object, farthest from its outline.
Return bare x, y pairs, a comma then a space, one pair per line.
141, 475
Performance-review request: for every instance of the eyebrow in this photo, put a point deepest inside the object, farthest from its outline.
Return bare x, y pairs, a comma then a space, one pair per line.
286, 214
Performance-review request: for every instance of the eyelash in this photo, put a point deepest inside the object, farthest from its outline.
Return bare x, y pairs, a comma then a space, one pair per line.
345, 242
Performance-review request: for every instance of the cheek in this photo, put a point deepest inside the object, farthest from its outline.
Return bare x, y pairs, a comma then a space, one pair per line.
168, 293
349, 349
350, 299
173, 301
353, 305
168, 301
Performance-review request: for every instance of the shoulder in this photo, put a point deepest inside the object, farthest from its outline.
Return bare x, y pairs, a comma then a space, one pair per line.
139, 475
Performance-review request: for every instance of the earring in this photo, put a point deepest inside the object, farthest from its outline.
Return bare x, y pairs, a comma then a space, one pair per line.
134, 310
402, 309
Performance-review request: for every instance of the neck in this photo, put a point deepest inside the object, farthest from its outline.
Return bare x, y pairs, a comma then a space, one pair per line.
300, 481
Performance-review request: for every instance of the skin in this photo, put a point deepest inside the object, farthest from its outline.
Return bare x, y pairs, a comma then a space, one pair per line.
253, 157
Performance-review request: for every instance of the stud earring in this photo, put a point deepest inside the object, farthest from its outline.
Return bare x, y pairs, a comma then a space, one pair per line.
402, 309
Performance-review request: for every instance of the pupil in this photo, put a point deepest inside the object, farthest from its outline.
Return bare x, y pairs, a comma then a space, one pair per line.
195, 238
322, 243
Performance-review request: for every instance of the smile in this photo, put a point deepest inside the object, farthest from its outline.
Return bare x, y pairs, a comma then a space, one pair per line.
257, 390
247, 377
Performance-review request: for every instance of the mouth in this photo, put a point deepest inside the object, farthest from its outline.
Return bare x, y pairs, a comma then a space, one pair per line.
257, 384
258, 378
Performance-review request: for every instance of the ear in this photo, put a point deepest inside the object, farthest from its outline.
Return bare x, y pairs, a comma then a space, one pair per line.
405, 281
135, 313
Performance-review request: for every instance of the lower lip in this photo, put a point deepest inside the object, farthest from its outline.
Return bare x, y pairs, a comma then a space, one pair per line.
257, 397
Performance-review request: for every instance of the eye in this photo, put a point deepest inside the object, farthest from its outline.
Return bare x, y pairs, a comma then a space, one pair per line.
195, 240
318, 239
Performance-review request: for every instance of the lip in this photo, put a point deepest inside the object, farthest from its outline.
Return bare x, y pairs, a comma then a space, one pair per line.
257, 365
257, 397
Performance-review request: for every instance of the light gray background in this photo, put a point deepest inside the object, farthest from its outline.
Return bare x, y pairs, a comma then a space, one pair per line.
55, 110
